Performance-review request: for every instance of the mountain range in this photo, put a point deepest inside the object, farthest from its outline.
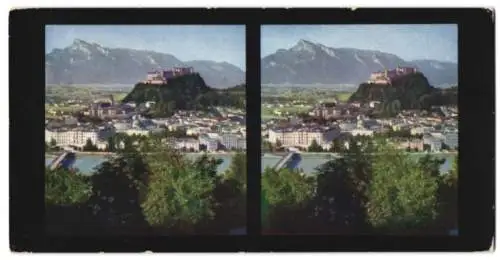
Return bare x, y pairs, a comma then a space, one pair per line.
91, 63
313, 63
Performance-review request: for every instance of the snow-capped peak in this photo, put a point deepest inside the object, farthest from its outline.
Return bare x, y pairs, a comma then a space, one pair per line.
86, 47
356, 56
304, 45
101, 49
80, 42
376, 60
328, 51
81, 46
152, 60
436, 65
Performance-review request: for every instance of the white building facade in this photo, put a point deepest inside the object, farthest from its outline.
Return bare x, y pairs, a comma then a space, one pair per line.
303, 137
188, 144
77, 137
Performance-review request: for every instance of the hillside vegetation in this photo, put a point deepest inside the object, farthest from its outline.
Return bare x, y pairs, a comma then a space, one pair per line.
187, 92
408, 92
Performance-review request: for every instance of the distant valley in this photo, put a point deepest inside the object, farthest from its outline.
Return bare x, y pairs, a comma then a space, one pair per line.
310, 64
91, 63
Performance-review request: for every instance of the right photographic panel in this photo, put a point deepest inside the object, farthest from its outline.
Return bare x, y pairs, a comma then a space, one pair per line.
359, 129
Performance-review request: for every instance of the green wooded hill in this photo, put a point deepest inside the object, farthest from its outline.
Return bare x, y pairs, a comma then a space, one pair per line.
408, 92
187, 92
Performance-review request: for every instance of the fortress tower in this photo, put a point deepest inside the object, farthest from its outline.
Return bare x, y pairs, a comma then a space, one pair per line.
387, 76
162, 76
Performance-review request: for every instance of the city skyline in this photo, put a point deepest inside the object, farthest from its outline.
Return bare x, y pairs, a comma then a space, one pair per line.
186, 42
409, 42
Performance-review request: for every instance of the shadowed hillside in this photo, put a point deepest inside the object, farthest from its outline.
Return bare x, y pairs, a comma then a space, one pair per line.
408, 92
186, 92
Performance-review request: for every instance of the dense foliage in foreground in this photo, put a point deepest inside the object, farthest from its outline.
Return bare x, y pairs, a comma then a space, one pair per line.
140, 191
373, 188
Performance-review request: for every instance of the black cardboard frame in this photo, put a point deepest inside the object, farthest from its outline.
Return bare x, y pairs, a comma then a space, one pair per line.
476, 102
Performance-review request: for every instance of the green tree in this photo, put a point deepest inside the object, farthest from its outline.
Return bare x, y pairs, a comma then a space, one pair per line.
111, 144
267, 146
128, 143
53, 142
119, 185
278, 143
230, 196
264, 210
230, 205
171, 106
448, 199
89, 146
151, 95
340, 202
402, 196
66, 197
431, 165
342, 184
64, 187
238, 169
337, 146
179, 195
315, 147
288, 194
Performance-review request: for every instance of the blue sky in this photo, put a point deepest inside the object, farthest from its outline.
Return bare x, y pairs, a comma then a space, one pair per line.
410, 42
186, 42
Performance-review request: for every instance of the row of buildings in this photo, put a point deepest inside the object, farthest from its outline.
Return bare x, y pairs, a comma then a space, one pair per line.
434, 140
289, 136
339, 111
106, 110
78, 137
214, 133
421, 131
210, 142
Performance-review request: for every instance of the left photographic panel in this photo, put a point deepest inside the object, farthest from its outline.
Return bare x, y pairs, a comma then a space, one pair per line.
145, 129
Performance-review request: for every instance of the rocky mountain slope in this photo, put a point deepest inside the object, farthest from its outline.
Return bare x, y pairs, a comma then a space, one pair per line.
314, 63
90, 63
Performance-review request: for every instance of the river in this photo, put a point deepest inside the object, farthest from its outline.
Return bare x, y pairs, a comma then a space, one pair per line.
87, 163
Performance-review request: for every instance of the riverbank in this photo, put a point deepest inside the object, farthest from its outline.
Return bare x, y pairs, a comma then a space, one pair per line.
308, 163
233, 153
337, 154
112, 153
81, 153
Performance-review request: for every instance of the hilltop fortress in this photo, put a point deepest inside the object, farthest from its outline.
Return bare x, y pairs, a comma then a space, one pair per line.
162, 76
386, 77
